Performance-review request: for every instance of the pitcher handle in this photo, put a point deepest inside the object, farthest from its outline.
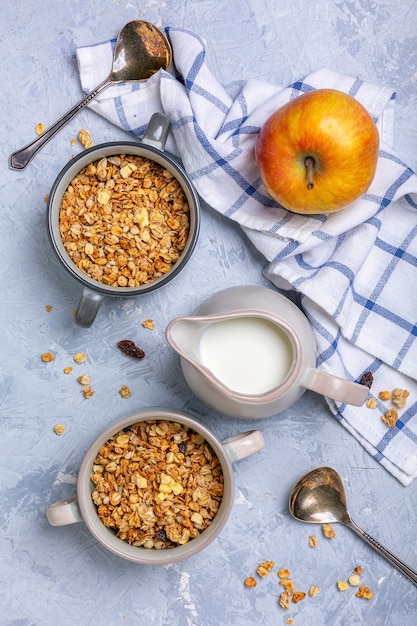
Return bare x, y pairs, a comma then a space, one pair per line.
64, 512
244, 444
335, 388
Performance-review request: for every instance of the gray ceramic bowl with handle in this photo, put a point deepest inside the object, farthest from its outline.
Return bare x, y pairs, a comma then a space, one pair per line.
82, 509
151, 147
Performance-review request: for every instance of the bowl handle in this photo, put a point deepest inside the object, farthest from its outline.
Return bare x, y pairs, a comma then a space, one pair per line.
244, 444
88, 307
156, 132
64, 512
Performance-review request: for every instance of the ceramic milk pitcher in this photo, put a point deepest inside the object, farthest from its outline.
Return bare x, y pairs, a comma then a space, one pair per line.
250, 352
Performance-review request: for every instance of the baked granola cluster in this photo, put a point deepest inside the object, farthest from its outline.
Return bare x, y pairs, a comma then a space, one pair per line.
124, 220
158, 484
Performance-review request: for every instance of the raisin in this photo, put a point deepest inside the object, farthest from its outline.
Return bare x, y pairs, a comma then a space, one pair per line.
161, 535
182, 447
367, 379
131, 349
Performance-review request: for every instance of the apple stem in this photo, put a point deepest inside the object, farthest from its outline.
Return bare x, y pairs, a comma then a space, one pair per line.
309, 163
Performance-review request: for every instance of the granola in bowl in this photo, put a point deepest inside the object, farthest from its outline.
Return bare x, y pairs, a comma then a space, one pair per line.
157, 484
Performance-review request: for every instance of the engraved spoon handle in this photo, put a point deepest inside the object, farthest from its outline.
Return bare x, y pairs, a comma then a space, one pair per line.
394, 560
21, 158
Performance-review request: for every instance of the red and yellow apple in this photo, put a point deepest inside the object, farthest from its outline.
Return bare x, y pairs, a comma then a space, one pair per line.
318, 153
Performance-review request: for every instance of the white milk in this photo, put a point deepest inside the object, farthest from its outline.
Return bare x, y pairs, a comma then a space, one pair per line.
249, 355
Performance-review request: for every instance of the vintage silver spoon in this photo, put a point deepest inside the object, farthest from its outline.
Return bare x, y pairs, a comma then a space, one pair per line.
319, 498
141, 50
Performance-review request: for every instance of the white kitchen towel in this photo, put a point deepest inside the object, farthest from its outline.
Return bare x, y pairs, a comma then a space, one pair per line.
355, 271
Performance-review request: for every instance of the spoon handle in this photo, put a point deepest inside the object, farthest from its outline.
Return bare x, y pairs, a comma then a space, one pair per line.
394, 560
21, 158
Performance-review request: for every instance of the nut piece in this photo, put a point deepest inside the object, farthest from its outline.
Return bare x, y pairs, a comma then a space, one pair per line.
125, 391
85, 138
399, 397
313, 591
384, 395
364, 592
390, 417
250, 582
59, 429
264, 568
371, 403
312, 541
47, 357
342, 586
80, 357
328, 531
354, 580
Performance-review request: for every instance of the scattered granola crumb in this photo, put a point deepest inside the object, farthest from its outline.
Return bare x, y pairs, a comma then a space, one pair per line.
384, 395
358, 570
68, 370
284, 599
73, 141
312, 541
342, 586
125, 391
284, 573
364, 592
46, 198
85, 138
399, 397
73, 313
328, 531
59, 429
80, 357
48, 308
250, 582
84, 379
371, 403
298, 596
390, 417
47, 357
313, 591
367, 379
40, 129
288, 584
87, 391
148, 324
290, 620
264, 568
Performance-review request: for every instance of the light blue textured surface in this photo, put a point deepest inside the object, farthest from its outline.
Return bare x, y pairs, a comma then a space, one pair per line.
61, 575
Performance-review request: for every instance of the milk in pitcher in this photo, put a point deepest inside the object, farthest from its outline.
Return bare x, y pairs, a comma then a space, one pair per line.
249, 355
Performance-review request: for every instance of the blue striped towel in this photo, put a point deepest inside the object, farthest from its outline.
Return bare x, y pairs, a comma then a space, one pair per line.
355, 271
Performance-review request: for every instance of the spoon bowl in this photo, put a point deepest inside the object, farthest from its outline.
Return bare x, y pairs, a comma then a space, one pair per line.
141, 50
319, 498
